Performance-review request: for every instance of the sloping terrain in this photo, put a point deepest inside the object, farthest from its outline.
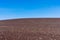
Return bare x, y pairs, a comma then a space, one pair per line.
30, 29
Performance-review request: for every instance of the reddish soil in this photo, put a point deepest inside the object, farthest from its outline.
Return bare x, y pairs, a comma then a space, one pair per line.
30, 29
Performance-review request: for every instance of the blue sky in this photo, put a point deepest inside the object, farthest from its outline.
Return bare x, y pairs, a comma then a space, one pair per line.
10, 9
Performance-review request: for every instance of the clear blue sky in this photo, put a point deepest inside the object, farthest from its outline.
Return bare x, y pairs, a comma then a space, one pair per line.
29, 9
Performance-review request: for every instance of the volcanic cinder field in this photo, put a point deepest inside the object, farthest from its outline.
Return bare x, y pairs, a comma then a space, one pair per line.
30, 29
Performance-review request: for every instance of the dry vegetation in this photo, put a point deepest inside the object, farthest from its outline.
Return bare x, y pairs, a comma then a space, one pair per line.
8, 35
30, 29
